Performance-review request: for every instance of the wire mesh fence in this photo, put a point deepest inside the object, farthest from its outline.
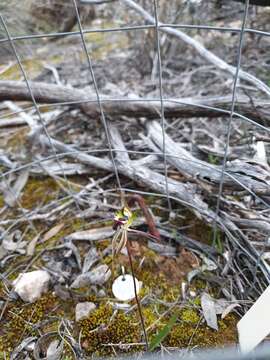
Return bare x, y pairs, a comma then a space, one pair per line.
136, 144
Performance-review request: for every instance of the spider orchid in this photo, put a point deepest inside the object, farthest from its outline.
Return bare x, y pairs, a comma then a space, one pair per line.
122, 221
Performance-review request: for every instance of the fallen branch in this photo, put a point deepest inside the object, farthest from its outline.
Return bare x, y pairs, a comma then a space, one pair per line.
42, 92
239, 174
186, 193
115, 107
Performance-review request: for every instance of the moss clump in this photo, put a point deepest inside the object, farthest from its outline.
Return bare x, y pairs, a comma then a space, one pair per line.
2, 202
190, 316
189, 334
38, 192
20, 320
196, 301
33, 68
104, 44
101, 328
156, 283
150, 317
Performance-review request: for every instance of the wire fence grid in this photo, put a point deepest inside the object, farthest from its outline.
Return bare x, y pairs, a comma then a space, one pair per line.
154, 24
157, 27
11, 40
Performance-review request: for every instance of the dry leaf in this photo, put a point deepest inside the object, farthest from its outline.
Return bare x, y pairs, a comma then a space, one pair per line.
32, 245
209, 311
98, 276
229, 309
12, 195
52, 232
90, 258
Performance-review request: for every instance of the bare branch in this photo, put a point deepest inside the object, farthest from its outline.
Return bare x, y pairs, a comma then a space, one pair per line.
182, 108
239, 174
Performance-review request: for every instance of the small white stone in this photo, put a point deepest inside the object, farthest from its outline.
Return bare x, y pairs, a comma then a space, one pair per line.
30, 286
83, 310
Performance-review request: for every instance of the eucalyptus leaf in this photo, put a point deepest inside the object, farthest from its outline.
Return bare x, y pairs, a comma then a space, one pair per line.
90, 259
228, 309
192, 274
209, 311
12, 194
98, 276
55, 350
22, 346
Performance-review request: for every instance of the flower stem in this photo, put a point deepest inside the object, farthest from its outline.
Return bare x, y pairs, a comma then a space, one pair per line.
136, 296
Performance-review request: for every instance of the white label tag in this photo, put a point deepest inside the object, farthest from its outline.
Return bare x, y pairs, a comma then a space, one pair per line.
123, 287
255, 324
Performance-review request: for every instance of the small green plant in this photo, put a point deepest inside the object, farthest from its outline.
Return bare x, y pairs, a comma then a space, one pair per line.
212, 159
163, 333
217, 243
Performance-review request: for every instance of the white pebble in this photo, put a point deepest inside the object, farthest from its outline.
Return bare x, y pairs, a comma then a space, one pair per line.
83, 310
31, 285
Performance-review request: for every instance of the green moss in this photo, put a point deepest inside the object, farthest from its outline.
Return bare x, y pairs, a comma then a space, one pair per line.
183, 335
39, 191
104, 44
101, 328
2, 202
150, 316
190, 316
196, 301
33, 68
20, 320
212, 159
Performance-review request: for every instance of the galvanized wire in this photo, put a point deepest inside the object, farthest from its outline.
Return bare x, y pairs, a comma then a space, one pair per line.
157, 27
229, 127
102, 115
133, 28
159, 100
162, 116
35, 105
